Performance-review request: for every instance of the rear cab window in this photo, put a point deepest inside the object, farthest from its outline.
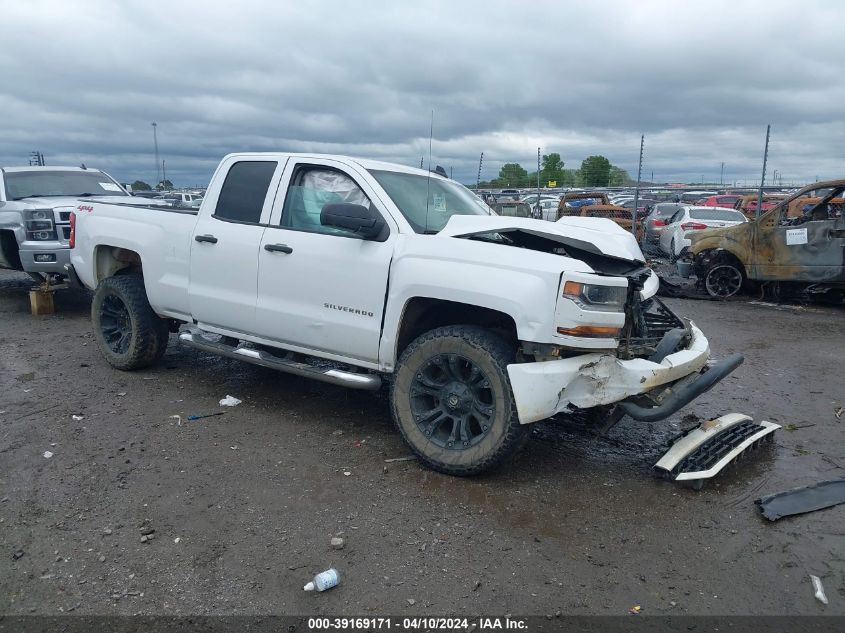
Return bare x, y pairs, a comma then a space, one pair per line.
244, 191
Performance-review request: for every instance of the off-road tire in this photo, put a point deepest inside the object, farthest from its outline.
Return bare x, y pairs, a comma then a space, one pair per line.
147, 333
491, 354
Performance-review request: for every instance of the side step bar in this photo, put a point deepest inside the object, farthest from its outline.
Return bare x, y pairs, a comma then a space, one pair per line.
370, 382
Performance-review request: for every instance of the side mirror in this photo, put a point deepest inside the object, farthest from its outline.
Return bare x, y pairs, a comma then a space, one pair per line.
365, 221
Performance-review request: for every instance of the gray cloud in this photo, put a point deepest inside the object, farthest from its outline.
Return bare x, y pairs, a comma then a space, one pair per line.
82, 82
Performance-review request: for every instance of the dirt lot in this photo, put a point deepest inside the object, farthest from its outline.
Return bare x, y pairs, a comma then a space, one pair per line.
244, 504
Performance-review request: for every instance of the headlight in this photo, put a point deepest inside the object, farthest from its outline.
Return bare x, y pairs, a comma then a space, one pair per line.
40, 214
39, 225
595, 297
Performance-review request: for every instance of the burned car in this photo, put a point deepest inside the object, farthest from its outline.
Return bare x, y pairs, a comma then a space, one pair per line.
784, 251
596, 204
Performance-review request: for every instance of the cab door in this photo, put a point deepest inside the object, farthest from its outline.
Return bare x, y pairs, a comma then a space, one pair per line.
322, 288
224, 247
811, 251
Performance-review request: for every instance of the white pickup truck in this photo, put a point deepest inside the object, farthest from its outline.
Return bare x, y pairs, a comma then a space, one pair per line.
353, 271
35, 207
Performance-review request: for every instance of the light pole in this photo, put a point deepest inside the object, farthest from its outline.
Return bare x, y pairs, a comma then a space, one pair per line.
155, 146
763, 177
637, 191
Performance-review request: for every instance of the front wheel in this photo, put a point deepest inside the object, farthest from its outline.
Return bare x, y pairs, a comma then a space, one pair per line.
452, 401
129, 334
723, 281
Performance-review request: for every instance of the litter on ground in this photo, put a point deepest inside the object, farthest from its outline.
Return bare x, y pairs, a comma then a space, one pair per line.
324, 580
205, 415
229, 401
407, 458
818, 589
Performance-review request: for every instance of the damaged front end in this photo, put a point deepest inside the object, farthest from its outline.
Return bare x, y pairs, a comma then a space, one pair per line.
628, 352
660, 365
655, 333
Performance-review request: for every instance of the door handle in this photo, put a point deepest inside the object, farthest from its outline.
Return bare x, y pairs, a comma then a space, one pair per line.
278, 248
206, 238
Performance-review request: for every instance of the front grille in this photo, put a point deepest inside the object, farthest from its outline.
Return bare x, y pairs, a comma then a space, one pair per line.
714, 449
660, 320
646, 323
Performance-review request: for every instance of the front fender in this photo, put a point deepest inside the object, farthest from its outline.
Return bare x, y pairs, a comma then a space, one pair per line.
736, 240
520, 283
705, 243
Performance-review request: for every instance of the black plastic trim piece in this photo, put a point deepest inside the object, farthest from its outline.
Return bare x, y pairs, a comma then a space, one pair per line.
231, 221
72, 278
684, 395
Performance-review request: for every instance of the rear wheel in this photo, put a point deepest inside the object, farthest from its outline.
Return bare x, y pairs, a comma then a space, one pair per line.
452, 402
129, 334
723, 281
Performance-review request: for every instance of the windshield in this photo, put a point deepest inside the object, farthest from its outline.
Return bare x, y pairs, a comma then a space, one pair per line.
33, 184
714, 213
665, 210
428, 203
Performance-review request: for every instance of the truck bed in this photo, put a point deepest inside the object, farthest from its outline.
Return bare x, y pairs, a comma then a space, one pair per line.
162, 237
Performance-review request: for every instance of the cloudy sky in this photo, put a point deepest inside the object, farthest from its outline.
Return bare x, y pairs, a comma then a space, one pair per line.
83, 80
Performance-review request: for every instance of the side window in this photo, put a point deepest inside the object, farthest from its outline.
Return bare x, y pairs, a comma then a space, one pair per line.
310, 190
242, 196
675, 216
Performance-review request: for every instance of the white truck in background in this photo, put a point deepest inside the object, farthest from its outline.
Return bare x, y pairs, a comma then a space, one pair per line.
35, 207
356, 272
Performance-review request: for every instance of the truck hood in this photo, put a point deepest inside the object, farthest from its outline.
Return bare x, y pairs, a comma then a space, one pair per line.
597, 236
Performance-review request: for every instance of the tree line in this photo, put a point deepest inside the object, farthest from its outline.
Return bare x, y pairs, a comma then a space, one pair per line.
595, 171
140, 185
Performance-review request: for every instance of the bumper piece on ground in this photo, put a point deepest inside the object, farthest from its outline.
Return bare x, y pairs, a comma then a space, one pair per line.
705, 451
822, 495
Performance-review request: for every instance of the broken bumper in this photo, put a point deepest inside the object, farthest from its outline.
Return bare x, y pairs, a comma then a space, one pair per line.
543, 389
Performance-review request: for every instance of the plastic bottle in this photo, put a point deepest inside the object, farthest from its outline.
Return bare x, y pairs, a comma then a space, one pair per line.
324, 580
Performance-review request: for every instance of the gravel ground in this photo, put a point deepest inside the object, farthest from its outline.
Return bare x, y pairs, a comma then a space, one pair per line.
244, 505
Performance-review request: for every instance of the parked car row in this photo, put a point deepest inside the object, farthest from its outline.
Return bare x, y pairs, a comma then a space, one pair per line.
675, 235
178, 199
